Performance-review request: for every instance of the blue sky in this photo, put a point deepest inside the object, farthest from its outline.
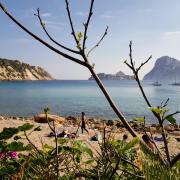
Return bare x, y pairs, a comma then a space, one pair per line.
152, 25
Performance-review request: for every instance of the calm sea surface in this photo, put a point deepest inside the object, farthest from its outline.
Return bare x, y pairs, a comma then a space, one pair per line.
27, 98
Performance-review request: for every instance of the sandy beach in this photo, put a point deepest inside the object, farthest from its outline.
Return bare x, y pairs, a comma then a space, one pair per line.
70, 124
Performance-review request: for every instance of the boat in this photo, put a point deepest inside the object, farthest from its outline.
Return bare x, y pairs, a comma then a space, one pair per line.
157, 84
175, 84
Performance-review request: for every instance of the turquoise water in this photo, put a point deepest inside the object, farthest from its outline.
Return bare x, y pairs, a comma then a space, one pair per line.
27, 98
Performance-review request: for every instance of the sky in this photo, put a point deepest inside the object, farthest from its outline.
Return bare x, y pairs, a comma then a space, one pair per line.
152, 25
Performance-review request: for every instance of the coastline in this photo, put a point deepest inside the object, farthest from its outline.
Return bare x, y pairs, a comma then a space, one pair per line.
71, 125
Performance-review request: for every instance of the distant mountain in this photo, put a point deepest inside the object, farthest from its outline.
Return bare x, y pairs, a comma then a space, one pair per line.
118, 76
16, 70
165, 69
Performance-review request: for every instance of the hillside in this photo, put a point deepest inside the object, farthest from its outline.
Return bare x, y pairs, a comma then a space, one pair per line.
16, 70
165, 69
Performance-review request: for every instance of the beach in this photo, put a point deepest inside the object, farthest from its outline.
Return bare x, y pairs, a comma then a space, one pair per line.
70, 124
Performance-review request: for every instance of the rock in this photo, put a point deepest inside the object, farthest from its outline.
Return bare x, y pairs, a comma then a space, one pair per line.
119, 125
71, 118
118, 76
109, 123
166, 68
42, 119
169, 128
1, 118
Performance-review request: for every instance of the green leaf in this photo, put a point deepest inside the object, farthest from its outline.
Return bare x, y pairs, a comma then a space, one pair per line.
78, 158
26, 127
79, 46
48, 147
47, 110
63, 141
131, 144
83, 148
158, 110
171, 119
139, 119
90, 161
29, 147
8, 133
15, 146
79, 36
93, 65
3, 145
4, 9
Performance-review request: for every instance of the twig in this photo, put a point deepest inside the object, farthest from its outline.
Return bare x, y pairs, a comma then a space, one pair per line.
42, 41
50, 37
87, 24
115, 169
135, 71
71, 23
98, 43
177, 112
32, 144
56, 141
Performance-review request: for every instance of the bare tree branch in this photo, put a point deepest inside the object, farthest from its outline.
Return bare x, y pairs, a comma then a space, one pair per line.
47, 33
42, 41
143, 63
177, 112
98, 43
87, 24
135, 72
71, 23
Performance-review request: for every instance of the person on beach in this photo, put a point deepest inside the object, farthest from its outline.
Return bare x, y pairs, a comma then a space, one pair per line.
148, 141
83, 123
125, 138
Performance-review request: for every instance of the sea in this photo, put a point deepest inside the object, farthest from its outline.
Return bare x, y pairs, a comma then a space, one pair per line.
71, 97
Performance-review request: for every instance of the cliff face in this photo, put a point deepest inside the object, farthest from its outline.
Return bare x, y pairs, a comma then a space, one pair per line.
16, 70
118, 76
165, 69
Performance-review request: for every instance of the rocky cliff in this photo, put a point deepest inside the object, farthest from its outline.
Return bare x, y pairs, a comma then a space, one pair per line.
118, 76
16, 70
165, 69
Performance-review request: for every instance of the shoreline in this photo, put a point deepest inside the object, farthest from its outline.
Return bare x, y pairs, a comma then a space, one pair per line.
73, 120
71, 125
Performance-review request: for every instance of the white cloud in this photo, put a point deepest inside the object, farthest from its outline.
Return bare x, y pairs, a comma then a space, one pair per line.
54, 24
171, 34
46, 15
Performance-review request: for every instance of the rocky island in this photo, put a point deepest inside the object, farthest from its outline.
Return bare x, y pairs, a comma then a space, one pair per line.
165, 69
15, 70
118, 76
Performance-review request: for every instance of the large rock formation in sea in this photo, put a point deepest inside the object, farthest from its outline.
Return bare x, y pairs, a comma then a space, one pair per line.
118, 76
16, 70
165, 69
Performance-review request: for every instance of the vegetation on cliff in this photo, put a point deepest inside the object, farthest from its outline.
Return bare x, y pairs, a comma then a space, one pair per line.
16, 70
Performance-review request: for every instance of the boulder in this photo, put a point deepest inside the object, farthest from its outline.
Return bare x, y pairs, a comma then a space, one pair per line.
169, 128
71, 118
41, 118
109, 123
